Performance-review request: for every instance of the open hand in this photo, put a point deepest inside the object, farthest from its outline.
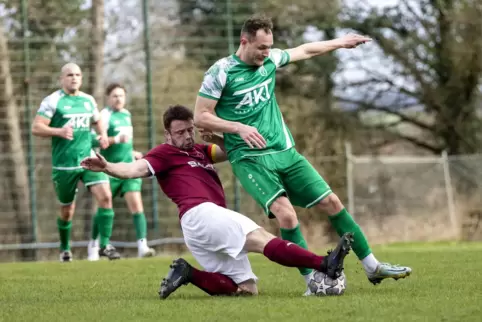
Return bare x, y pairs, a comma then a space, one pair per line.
251, 136
353, 40
206, 135
96, 164
137, 155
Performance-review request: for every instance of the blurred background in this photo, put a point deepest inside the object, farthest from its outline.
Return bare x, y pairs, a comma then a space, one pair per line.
394, 126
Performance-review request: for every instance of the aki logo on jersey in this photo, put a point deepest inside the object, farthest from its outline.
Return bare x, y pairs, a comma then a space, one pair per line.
252, 97
79, 121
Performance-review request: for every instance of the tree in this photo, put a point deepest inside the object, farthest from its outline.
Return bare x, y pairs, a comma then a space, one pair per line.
205, 29
14, 169
96, 52
56, 34
431, 80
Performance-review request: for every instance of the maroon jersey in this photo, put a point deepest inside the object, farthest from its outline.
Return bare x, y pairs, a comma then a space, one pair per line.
187, 177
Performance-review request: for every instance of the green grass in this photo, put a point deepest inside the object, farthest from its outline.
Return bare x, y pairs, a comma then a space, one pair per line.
445, 286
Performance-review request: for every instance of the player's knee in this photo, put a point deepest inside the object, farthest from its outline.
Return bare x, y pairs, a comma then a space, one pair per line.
257, 240
105, 201
134, 202
104, 198
136, 210
331, 204
67, 212
284, 213
248, 288
244, 292
135, 207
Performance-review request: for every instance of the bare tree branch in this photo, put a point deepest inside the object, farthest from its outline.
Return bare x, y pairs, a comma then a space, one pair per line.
378, 78
420, 19
389, 47
121, 53
419, 143
403, 117
381, 144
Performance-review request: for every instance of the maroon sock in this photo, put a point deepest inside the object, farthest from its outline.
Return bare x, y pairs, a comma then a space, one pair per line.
289, 254
213, 283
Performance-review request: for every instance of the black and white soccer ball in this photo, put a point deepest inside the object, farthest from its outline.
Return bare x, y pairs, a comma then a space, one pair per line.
322, 285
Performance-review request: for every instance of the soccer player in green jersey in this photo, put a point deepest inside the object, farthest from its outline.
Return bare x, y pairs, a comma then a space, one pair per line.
237, 98
67, 116
117, 121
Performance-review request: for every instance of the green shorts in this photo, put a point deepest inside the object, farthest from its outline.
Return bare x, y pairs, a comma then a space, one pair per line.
286, 173
66, 181
121, 186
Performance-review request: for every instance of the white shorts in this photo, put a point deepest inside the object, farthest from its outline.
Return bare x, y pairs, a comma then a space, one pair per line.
216, 237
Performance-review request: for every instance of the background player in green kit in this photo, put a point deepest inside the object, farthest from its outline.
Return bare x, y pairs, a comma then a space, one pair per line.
117, 121
67, 116
237, 98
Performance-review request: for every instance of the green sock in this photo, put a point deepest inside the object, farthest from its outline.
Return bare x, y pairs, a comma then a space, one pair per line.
105, 222
64, 233
95, 226
343, 222
294, 235
140, 224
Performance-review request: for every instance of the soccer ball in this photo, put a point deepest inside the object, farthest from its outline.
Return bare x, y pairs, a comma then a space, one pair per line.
322, 285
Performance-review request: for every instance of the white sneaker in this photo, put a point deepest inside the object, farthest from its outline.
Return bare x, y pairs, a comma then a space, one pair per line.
143, 250
93, 251
66, 256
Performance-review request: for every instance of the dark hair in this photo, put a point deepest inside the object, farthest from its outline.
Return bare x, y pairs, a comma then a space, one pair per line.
113, 86
176, 112
255, 23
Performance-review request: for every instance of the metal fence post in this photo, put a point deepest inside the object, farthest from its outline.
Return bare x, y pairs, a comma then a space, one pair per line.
349, 179
229, 27
449, 193
28, 117
150, 114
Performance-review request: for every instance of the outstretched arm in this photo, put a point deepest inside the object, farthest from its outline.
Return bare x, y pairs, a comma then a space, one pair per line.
317, 48
122, 170
132, 170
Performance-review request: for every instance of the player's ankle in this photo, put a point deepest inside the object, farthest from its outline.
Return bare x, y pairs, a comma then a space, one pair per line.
370, 263
190, 273
308, 277
324, 265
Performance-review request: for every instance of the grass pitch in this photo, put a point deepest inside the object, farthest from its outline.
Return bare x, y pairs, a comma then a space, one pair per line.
445, 285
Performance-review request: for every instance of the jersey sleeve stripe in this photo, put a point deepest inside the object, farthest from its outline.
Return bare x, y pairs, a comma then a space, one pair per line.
46, 115
287, 58
212, 152
151, 169
208, 96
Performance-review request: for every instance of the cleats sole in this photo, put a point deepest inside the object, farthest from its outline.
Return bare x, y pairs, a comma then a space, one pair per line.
342, 249
396, 277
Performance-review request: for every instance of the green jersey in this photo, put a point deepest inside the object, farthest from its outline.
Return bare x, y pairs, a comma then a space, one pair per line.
246, 94
118, 123
79, 112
